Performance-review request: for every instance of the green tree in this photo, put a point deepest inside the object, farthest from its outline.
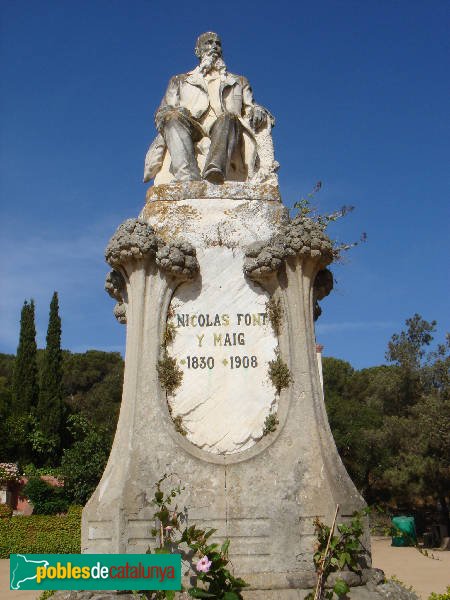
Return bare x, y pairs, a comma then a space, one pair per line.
25, 390
93, 386
83, 464
356, 420
49, 411
407, 348
25, 383
6, 373
421, 466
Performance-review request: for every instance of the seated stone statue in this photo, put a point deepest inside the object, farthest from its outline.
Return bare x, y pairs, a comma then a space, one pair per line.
209, 126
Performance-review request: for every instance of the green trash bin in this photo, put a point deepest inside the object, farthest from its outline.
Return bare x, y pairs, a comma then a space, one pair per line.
407, 527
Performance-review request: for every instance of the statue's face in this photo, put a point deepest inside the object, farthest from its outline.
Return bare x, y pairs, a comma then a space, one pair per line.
209, 43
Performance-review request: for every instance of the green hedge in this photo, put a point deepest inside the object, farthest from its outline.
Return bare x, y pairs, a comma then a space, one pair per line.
41, 534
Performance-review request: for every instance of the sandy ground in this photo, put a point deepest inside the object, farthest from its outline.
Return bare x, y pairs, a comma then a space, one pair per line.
407, 564
424, 574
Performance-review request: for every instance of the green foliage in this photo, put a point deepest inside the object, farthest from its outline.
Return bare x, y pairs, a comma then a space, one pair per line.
83, 463
444, 596
5, 511
25, 389
46, 594
25, 384
92, 384
274, 310
31, 471
336, 552
169, 373
279, 373
356, 420
217, 580
49, 410
391, 424
270, 423
46, 499
407, 349
41, 534
421, 463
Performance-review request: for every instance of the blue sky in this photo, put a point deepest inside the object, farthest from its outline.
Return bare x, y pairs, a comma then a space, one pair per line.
360, 93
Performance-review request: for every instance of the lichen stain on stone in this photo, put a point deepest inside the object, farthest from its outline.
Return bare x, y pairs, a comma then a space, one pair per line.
245, 209
168, 217
269, 190
158, 208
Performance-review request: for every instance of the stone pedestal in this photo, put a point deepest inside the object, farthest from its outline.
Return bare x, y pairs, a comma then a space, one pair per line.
257, 465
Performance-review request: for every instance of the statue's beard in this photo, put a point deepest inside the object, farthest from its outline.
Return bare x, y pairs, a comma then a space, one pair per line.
212, 61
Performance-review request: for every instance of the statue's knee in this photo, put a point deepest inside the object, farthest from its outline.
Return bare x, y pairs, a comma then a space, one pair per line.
172, 116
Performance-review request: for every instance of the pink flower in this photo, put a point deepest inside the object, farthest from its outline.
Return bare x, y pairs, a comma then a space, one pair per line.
203, 565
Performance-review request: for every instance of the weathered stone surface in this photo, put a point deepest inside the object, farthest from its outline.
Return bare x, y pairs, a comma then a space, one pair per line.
115, 285
323, 284
134, 239
120, 312
375, 589
263, 497
301, 237
235, 190
177, 258
223, 343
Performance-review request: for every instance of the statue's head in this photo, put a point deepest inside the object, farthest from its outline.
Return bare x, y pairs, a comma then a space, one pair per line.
208, 43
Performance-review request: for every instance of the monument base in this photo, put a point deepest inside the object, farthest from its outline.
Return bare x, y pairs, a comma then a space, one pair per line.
236, 190
223, 288
377, 588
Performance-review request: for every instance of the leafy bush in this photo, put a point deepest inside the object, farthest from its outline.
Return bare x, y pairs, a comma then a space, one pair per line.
30, 470
84, 463
41, 534
445, 596
46, 500
5, 511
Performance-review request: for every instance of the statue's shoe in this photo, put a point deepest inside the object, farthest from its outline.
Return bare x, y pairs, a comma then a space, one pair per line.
214, 175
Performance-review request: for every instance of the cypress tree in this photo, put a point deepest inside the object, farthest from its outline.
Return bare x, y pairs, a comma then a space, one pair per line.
25, 384
50, 405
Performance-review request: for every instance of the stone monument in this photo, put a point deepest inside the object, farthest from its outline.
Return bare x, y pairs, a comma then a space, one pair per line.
218, 289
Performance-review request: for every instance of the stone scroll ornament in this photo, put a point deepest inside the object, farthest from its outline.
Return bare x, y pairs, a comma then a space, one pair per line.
303, 238
135, 241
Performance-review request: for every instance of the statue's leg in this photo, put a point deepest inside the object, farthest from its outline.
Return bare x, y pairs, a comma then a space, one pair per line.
226, 135
178, 136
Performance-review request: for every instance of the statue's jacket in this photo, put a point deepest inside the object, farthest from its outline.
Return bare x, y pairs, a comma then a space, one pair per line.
190, 91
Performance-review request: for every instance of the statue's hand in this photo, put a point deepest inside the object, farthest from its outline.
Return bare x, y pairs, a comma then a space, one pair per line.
258, 117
